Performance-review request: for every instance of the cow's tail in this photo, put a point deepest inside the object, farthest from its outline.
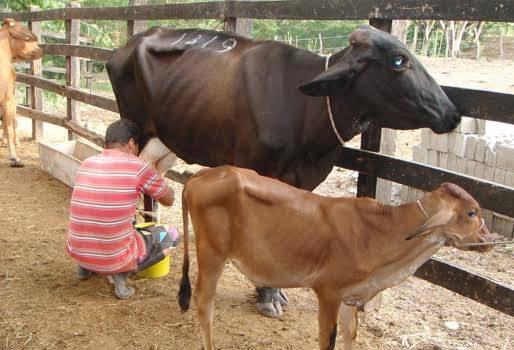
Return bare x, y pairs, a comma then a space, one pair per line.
184, 293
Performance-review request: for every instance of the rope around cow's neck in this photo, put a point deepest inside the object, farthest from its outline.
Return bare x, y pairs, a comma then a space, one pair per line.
330, 111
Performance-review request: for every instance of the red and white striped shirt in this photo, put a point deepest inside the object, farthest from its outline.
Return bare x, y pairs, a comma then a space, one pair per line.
101, 237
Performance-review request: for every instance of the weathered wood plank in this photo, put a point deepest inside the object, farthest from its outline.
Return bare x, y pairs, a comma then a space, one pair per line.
36, 69
492, 196
482, 104
72, 29
370, 140
91, 52
471, 10
85, 133
42, 116
478, 288
69, 92
134, 27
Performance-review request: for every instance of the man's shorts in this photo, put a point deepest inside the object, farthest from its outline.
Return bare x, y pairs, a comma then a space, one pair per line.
157, 239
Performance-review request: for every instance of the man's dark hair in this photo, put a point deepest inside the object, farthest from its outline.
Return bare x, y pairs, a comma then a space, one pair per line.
121, 131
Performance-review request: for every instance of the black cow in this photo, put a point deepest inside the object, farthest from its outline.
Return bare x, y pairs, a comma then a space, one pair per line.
215, 98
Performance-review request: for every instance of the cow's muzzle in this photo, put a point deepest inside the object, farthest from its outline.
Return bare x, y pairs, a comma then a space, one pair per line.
448, 123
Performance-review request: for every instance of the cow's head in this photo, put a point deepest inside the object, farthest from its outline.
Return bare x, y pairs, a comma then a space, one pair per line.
386, 84
22, 42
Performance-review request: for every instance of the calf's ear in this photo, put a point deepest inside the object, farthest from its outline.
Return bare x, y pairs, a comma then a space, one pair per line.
335, 80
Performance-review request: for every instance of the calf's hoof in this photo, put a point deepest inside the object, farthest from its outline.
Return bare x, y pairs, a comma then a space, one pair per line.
270, 301
16, 163
271, 309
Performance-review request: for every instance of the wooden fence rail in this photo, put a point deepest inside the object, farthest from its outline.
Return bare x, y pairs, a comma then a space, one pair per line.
470, 10
480, 104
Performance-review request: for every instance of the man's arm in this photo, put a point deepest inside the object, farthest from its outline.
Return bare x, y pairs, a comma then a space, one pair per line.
168, 198
154, 185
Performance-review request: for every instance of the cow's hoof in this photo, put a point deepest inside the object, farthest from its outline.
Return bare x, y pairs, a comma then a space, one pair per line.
272, 310
281, 297
17, 163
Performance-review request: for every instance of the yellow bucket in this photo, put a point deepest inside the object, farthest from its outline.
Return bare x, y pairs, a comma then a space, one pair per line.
160, 269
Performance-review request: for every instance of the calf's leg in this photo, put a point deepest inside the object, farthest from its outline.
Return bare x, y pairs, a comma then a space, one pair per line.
348, 319
329, 303
209, 271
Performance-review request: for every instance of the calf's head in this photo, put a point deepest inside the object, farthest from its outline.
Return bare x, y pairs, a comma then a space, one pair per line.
459, 219
385, 84
22, 43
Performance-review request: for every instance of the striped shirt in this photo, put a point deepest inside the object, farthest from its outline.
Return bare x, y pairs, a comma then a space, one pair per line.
101, 237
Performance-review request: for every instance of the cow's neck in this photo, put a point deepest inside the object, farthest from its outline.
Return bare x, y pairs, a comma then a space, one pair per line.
390, 258
5, 49
347, 118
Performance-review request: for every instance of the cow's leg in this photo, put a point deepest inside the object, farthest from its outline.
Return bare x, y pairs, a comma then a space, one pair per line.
4, 130
210, 266
348, 319
329, 303
16, 139
9, 113
270, 301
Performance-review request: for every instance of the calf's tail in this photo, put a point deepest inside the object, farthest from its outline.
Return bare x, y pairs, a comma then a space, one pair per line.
184, 293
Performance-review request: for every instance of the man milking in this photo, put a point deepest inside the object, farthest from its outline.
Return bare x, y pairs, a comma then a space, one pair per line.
101, 235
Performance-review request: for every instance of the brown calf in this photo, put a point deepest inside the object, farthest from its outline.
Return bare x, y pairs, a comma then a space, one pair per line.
16, 44
346, 249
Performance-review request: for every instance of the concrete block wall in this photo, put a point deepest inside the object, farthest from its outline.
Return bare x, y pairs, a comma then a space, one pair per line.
467, 150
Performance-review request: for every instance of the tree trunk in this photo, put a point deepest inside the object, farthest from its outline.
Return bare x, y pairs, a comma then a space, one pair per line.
414, 39
457, 35
426, 37
478, 30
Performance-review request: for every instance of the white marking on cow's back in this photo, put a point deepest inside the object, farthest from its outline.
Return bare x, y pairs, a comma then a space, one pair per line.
226, 45
179, 40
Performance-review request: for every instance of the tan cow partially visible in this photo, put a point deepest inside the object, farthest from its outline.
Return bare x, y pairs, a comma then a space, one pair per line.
346, 249
16, 44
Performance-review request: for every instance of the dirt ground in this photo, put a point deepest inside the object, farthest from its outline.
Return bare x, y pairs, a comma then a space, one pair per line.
43, 306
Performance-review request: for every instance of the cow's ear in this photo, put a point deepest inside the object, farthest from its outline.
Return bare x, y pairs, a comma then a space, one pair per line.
336, 79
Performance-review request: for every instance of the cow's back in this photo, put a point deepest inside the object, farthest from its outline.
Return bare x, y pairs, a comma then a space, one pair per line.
213, 98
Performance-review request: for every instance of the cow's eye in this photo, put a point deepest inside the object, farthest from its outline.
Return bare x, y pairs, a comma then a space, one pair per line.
472, 214
398, 62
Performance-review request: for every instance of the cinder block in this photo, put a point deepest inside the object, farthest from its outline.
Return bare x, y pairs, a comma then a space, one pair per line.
443, 160
499, 176
471, 145
470, 167
479, 170
503, 226
452, 162
433, 140
467, 126
420, 154
433, 158
442, 143
480, 127
487, 215
505, 157
461, 165
489, 173
425, 138
457, 144
509, 178
480, 149
490, 155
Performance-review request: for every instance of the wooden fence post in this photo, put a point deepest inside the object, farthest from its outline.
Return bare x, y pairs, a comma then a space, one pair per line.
241, 26
72, 69
36, 69
388, 140
370, 140
134, 27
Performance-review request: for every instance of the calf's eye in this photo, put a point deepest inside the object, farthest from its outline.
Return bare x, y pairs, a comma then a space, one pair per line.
398, 62
472, 214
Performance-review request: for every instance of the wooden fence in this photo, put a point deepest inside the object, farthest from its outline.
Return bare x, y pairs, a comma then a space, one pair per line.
370, 164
